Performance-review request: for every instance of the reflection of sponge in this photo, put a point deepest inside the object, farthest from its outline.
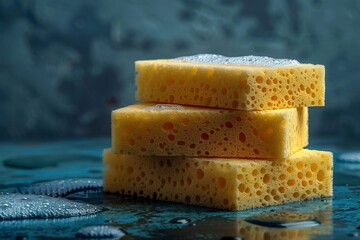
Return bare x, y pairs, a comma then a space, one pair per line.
234, 86
299, 225
221, 182
164, 130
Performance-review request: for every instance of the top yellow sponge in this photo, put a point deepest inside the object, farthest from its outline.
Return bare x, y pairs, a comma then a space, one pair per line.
244, 83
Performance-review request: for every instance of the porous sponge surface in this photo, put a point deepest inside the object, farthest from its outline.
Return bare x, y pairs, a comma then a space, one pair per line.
230, 86
225, 183
165, 130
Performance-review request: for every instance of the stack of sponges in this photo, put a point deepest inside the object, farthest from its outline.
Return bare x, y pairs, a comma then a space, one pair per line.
220, 132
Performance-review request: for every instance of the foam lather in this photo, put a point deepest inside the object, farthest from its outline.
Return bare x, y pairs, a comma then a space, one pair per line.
257, 61
174, 130
225, 183
244, 83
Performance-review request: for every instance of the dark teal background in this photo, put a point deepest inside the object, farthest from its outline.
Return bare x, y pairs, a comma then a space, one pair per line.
64, 65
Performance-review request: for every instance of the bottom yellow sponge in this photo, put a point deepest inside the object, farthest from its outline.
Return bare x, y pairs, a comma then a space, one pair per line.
225, 183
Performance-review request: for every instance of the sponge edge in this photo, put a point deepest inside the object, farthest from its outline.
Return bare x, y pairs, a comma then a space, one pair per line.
165, 130
230, 86
224, 183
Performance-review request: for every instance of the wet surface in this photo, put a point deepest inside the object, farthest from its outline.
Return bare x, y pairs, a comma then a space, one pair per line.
336, 218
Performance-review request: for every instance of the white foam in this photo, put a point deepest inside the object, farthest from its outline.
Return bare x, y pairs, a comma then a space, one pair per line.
261, 61
160, 107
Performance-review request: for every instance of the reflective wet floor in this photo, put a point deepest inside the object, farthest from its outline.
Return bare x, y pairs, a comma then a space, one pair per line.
136, 218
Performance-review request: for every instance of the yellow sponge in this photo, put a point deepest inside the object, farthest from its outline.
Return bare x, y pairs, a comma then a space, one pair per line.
221, 182
216, 81
164, 130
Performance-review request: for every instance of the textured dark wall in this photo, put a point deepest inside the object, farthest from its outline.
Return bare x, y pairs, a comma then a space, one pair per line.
64, 65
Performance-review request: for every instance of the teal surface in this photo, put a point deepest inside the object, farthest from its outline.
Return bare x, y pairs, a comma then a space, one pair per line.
142, 219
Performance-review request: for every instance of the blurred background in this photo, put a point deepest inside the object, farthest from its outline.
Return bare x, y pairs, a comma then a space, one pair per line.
64, 65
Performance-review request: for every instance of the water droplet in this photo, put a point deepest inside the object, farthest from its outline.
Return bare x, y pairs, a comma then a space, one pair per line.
4, 205
231, 238
353, 234
47, 160
100, 232
39, 206
160, 107
180, 220
59, 188
284, 220
245, 60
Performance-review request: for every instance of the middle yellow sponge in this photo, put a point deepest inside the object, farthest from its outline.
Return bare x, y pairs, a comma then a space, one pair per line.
165, 130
